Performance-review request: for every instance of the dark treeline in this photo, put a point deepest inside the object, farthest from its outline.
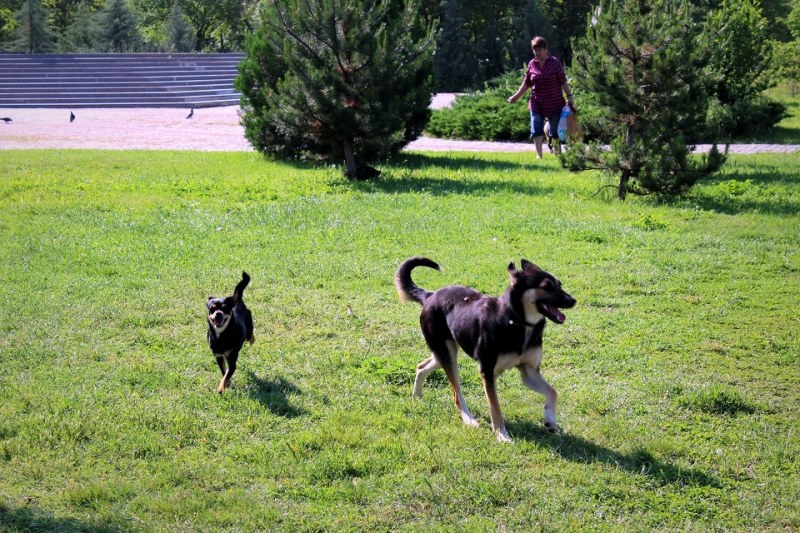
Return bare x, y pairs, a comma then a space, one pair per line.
42, 26
477, 40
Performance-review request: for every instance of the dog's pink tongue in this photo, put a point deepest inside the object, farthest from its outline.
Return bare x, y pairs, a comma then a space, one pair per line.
559, 314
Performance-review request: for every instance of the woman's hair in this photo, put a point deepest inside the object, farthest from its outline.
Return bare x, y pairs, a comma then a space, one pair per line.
538, 42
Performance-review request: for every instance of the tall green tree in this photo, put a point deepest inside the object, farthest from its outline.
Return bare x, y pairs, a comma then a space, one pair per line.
528, 22
644, 61
336, 79
77, 36
741, 68
116, 28
787, 54
33, 34
180, 34
455, 63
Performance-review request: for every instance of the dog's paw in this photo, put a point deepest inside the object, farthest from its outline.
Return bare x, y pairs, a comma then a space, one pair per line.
471, 422
503, 436
551, 427
252, 339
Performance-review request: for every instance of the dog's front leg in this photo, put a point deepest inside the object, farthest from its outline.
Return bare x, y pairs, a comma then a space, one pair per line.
221, 364
532, 378
490, 388
225, 382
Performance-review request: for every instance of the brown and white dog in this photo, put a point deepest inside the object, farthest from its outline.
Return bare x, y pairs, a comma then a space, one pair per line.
497, 332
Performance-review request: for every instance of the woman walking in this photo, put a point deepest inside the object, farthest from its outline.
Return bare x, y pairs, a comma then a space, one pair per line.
546, 79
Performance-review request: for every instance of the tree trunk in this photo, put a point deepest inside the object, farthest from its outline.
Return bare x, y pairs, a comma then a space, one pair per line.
622, 189
349, 158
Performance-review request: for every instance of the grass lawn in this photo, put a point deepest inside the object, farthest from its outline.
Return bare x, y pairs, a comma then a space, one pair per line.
678, 370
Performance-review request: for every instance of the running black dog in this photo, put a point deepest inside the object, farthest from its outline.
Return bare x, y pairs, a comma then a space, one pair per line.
498, 332
229, 325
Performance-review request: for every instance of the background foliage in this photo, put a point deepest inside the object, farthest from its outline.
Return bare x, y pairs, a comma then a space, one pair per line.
477, 41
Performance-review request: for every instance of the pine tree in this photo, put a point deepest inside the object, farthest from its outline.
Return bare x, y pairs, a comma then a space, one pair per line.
455, 63
180, 34
644, 63
78, 36
32, 35
115, 28
336, 79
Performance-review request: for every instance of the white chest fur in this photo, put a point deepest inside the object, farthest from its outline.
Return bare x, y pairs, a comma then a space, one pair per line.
530, 357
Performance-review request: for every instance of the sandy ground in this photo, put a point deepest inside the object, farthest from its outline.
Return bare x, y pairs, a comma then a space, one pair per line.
210, 129
213, 128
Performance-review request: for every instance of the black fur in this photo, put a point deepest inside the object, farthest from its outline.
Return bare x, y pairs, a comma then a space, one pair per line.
230, 324
497, 332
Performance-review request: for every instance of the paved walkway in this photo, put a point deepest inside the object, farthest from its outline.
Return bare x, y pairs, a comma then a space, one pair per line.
210, 129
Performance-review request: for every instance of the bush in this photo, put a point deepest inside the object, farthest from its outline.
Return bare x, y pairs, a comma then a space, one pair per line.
484, 115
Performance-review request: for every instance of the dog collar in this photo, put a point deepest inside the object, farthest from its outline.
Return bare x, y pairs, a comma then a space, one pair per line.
521, 322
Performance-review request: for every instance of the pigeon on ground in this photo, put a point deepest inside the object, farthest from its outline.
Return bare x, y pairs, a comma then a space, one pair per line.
71, 116
6, 119
191, 113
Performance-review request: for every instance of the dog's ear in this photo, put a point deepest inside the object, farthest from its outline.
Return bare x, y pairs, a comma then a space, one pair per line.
512, 270
527, 266
212, 297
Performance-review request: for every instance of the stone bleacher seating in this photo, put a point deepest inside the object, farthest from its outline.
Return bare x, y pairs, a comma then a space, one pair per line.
118, 80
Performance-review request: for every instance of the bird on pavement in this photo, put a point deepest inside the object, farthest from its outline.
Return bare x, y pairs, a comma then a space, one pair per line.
71, 116
6, 119
191, 113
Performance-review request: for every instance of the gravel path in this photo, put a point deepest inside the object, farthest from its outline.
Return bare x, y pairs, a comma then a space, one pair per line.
210, 129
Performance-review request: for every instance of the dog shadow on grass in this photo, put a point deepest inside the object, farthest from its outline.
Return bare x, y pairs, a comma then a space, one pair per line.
274, 395
33, 518
639, 461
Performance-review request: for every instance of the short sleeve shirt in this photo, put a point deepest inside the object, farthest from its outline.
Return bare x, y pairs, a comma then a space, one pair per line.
545, 82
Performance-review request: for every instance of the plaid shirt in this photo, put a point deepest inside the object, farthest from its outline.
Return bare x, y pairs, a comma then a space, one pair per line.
545, 83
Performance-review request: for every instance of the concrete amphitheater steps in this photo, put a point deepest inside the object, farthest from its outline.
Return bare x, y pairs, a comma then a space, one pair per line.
118, 80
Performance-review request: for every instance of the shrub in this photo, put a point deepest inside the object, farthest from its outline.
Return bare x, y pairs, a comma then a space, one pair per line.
484, 115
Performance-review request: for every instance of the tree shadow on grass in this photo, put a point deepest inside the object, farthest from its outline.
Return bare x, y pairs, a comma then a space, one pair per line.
464, 161
274, 395
400, 177
32, 518
640, 461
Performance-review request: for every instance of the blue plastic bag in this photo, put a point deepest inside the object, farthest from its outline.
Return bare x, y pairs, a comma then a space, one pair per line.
562, 123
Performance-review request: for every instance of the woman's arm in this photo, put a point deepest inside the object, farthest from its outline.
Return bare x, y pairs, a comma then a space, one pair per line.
516, 96
568, 92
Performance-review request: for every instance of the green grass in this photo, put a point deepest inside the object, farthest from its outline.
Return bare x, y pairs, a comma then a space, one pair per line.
678, 376
787, 131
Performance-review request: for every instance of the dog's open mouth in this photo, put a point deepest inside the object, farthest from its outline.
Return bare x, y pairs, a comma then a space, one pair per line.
217, 319
552, 312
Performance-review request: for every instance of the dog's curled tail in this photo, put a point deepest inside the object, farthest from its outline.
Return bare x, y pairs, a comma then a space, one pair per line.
238, 292
406, 288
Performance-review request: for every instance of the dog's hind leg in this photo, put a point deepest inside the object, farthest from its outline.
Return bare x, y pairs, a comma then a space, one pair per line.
533, 379
450, 365
498, 424
423, 369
